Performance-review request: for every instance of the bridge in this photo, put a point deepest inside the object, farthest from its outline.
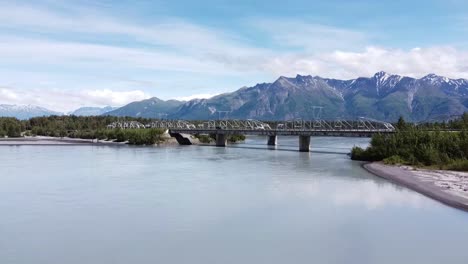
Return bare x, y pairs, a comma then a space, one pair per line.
304, 129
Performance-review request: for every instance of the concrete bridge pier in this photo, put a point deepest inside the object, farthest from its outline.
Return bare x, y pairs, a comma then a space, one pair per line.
272, 140
221, 140
304, 143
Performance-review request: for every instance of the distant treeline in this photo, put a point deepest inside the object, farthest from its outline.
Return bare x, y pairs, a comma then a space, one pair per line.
457, 124
412, 144
89, 127
415, 145
92, 127
72, 126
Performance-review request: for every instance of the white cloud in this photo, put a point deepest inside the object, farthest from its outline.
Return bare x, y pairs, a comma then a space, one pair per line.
196, 96
169, 33
417, 62
374, 195
113, 98
369, 193
8, 94
67, 100
173, 45
75, 55
309, 36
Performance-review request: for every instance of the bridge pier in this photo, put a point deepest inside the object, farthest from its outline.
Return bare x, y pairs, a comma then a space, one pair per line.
221, 140
304, 143
272, 140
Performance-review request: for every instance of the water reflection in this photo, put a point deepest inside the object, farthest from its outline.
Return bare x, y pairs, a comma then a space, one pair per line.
198, 204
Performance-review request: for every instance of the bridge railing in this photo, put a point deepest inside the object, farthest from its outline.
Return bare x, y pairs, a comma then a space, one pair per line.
180, 124
126, 125
334, 125
362, 124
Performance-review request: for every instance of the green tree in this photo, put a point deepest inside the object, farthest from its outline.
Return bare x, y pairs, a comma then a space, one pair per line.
416, 146
401, 124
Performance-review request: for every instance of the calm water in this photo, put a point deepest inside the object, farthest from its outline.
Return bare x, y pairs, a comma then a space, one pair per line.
195, 204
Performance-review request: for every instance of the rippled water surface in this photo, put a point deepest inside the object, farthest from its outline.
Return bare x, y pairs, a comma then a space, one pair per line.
200, 204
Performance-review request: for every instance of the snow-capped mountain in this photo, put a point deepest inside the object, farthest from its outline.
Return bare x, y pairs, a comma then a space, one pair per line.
25, 111
383, 96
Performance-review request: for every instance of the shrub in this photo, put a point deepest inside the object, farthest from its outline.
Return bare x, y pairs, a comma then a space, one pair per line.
120, 136
236, 138
204, 138
417, 147
394, 160
458, 165
143, 136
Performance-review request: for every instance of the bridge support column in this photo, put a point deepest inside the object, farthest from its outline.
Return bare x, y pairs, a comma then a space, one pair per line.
304, 143
221, 140
272, 140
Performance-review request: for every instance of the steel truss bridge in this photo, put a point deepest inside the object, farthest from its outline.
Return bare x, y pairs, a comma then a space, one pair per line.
362, 127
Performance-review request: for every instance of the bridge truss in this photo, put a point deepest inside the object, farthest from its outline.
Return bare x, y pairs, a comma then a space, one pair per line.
361, 124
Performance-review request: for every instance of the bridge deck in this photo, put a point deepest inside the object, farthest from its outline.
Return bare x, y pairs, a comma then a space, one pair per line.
285, 132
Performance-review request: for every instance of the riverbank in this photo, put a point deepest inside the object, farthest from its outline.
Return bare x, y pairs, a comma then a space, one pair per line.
448, 187
43, 140
51, 141
167, 140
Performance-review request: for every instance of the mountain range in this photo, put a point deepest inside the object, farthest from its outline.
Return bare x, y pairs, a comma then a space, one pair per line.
382, 96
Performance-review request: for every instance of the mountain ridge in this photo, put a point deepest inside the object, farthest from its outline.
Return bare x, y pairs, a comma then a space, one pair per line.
149, 108
383, 96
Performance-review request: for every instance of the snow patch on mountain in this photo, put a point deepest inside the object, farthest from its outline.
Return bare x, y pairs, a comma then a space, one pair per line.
25, 111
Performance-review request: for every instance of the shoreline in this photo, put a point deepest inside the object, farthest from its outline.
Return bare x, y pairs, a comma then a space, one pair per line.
65, 141
436, 184
53, 141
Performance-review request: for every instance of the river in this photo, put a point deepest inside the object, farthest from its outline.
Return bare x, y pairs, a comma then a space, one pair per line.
202, 204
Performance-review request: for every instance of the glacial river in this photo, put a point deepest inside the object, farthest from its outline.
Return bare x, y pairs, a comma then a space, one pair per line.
202, 204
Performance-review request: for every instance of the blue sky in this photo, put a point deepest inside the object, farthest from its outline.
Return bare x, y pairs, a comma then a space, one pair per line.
66, 54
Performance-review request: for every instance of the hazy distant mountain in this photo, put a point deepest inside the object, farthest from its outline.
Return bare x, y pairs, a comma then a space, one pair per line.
149, 108
92, 111
25, 111
382, 96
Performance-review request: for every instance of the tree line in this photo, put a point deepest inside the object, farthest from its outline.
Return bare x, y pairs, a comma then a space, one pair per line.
416, 145
85, 127
89, 127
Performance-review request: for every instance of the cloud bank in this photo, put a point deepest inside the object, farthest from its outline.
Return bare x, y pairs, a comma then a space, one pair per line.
67, 100
102, 59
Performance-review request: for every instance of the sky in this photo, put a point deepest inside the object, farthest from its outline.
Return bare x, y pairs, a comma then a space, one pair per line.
67, 54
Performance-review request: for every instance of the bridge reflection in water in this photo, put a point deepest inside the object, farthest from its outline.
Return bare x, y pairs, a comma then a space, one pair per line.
304, 129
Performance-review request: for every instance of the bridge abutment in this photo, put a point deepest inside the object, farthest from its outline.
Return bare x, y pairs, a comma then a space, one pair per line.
221, 140
272, 140
182, 139
304, 143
